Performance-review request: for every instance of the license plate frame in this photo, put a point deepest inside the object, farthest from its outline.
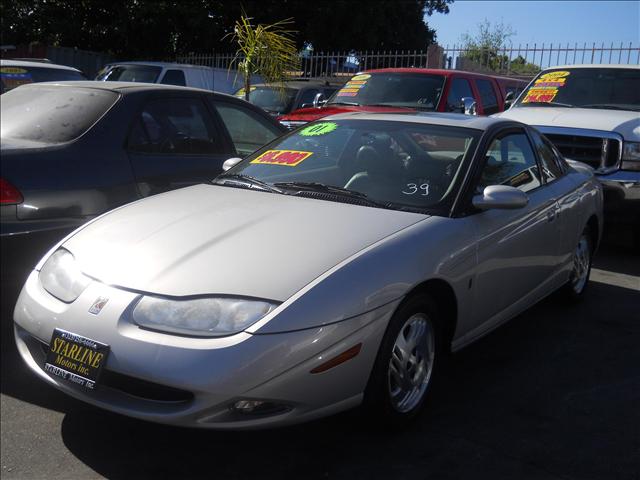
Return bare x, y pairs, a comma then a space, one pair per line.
76, 358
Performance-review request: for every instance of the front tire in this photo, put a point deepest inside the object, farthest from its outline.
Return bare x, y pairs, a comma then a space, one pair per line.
581, 267
407, 363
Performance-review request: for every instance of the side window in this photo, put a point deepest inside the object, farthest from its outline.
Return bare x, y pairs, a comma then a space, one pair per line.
174, 126
488, 97
510, 161
459, 88
551, 168
174, 77
247, 130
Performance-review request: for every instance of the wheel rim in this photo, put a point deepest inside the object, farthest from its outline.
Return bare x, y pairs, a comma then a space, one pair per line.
411, 363
581, 259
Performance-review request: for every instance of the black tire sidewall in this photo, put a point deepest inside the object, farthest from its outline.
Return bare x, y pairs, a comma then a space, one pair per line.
377, 400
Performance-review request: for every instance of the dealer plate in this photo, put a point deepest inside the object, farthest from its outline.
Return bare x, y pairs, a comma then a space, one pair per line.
75, 358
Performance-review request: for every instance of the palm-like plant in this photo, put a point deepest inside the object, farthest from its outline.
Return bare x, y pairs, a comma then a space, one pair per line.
265, 50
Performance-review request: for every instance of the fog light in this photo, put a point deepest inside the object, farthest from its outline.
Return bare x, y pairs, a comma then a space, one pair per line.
259, 407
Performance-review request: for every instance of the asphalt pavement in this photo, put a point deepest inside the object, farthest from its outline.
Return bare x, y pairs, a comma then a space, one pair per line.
554, 394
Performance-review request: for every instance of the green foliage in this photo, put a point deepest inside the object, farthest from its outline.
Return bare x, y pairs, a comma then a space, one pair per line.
265, 50
487, 49
160, 29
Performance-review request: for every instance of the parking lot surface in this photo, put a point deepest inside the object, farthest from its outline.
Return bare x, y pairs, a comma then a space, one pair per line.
554, 394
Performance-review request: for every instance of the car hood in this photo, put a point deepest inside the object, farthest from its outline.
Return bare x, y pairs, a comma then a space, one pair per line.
624, 122
312, 113
210, 239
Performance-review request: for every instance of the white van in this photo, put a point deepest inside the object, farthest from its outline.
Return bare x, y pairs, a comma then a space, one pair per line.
208, 78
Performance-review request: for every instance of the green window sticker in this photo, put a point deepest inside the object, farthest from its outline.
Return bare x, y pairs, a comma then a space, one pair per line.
318, 129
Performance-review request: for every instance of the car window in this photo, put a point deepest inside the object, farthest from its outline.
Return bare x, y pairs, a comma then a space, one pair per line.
551, 168
488, 97
12, 77
460, 88
247, 129
50, 114
174, 77
510, 161
409, 164
174, 126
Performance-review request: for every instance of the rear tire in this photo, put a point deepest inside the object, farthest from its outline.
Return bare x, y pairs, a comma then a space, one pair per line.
406, 367
581, 267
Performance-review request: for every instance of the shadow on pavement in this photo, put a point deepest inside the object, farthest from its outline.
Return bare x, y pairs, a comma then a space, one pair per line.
553, 393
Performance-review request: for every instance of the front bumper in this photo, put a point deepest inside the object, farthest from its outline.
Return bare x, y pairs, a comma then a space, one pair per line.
621, 195
195, 381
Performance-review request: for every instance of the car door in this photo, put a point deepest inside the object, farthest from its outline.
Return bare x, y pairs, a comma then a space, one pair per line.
175, 141
459, 88
517, 249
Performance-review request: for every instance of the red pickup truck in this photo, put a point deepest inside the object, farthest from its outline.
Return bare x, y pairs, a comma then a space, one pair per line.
402, 89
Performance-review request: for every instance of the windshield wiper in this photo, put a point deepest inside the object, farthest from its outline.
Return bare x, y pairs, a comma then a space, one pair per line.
608, 106
246, 180
550, 104
344, 103
332, 189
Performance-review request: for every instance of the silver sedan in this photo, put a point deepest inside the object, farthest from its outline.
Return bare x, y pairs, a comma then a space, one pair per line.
337, 266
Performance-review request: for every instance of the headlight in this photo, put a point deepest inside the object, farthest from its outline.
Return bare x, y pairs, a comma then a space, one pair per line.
208, 317
631, 156
61, 277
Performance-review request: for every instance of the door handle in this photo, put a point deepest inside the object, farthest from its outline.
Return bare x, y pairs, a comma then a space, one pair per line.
551, 215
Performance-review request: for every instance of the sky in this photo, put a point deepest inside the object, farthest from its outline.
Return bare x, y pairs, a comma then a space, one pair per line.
544, 21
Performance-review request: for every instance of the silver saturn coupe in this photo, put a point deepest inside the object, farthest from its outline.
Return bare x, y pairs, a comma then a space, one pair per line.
336, 266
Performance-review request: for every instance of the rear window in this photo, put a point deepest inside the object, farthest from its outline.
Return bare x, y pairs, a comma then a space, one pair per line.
13, 77
130, 73
49, 114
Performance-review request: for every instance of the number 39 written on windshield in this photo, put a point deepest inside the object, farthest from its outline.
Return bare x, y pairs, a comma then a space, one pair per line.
413, 188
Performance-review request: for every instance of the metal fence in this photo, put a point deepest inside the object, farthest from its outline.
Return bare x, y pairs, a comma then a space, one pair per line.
523, 59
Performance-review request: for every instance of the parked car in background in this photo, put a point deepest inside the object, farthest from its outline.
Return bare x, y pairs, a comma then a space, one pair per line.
405, 89
71, 151
336, 266
197, 76
591, 113
14, 73
297, 94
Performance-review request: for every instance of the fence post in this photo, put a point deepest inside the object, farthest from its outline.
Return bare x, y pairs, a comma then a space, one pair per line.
593, 52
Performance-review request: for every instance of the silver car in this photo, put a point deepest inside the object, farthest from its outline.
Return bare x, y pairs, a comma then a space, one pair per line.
336, 266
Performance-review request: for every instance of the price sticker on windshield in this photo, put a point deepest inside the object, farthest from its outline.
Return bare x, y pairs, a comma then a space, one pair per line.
287, 158
546, 87
318, 129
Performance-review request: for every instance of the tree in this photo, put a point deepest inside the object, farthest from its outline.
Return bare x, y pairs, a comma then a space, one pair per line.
162, 29
265, 50
483, 47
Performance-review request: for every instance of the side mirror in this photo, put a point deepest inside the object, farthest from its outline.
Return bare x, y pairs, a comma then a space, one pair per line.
500, 196
319, 100
468, 105
230, 163
508, 99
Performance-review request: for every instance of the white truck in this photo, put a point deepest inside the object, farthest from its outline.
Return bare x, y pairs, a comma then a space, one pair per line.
591, 113
197, 76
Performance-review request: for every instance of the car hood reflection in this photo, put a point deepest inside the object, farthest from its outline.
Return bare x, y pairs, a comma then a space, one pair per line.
210, 239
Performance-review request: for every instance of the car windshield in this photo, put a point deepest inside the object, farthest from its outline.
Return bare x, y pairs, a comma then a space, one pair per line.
50, 114
271, 99
13, 77
414, 90
600, 88
391, 164
130, 73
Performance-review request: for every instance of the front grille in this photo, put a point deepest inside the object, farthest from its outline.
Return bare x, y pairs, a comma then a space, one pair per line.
600, 153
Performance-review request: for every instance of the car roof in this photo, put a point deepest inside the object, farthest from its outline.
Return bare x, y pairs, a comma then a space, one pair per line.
23, 63
301, 84
596, 65
431, 118
437, 71
161, 64
122, 87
